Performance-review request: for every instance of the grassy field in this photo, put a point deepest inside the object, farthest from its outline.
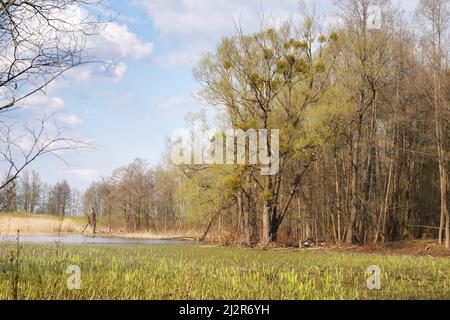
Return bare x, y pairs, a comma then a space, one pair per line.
195, 272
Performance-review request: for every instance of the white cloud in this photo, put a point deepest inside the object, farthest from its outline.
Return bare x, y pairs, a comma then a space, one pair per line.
56, 103
114, 43
119, 71
197, 25
43, 103
205, 18
83, 75
70, 119
113, 38
124, 42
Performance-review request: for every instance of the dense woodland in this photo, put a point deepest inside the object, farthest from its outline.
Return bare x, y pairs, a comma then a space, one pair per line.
364, 115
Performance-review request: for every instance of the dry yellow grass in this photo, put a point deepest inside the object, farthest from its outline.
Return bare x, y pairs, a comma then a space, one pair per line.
38, 225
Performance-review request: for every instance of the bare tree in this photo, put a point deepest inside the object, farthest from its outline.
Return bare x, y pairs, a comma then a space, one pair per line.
60, 199
8, 198
19, 150
434, 19
39, 41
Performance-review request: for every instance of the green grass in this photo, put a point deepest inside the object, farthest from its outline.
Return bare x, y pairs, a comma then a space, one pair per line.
194, 272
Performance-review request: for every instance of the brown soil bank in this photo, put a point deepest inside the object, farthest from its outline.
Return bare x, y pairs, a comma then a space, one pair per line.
407, 247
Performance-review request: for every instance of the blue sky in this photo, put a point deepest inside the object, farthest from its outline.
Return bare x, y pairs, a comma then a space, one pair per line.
127, 112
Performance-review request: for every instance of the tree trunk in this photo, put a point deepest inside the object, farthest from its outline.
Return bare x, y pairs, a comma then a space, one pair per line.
338, 198
443, 175
266, 229
354, 201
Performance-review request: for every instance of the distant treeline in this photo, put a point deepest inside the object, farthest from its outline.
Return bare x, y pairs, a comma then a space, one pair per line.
30, 194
